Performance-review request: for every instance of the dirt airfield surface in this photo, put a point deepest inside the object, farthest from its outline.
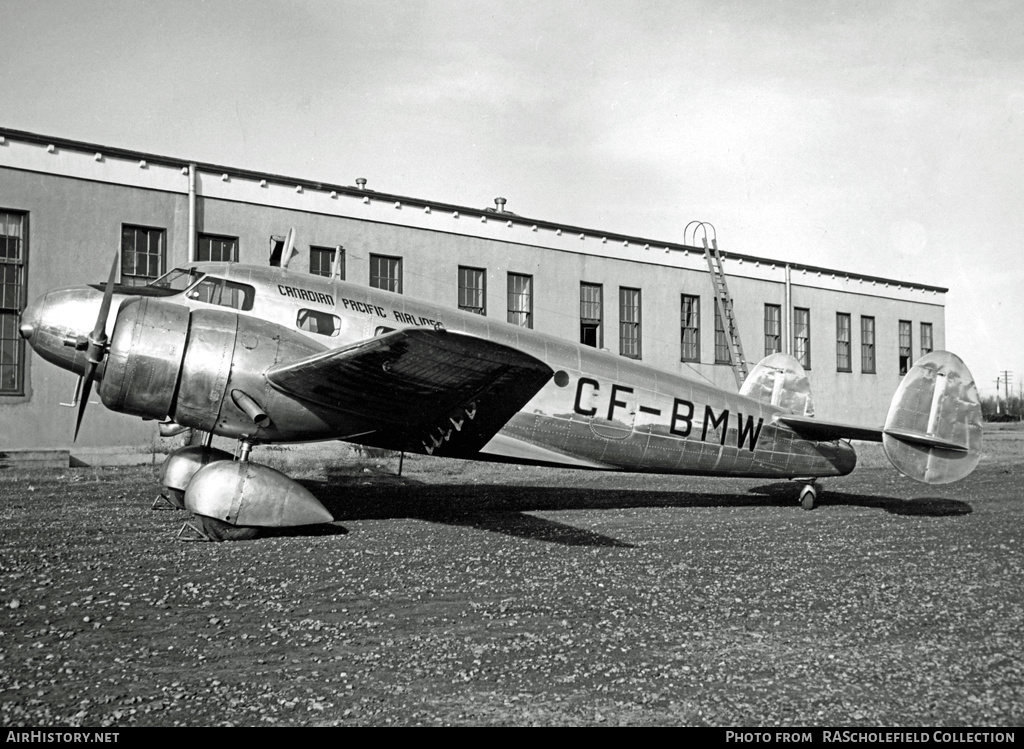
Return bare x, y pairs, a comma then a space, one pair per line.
477, 594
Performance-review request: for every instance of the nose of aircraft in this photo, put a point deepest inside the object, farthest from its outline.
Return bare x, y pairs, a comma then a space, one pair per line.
57, 324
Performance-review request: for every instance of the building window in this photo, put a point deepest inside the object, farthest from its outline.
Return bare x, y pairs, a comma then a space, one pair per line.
473, 290
802, 336
13, 252
591, 314
142, 255
321, 261
843, 333
520, 300
867, 345
927, 342
772, 329
722, 355
906, 346
216, 249
386, 273
629, 322
689, 325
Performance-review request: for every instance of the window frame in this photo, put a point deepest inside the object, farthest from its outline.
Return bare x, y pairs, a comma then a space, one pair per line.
844, 348
693, 327
630, 330
590, 323
12, 302
466, 274
319, 252
930, 338
769, 324
515, 314
137, 279
221, 238
868, 350
802, 354
905, 340
394, 283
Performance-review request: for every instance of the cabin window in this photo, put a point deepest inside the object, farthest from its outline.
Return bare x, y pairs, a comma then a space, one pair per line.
722, 353
772, 329
591, 314
386, 273
178, 279
224, 293
520, 300
906, 346
867, 345
473, 290
927, 342
629, 323
321, 260
216, 249
321, 323
142, 254
802, 336
843, 342
689, 326
13, 268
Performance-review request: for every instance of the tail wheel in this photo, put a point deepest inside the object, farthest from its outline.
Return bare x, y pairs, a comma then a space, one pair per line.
218, 530
808, 497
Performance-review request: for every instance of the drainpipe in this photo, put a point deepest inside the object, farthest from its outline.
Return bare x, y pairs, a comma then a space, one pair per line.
191, 213
788, 343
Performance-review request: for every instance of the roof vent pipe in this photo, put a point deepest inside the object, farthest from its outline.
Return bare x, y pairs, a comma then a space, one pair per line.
361, 182
500, 204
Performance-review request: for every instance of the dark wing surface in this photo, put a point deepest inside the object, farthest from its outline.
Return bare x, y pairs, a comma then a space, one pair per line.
417, 389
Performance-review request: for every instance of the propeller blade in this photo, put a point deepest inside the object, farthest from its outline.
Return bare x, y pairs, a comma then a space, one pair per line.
97, 347
99, 332
87, 379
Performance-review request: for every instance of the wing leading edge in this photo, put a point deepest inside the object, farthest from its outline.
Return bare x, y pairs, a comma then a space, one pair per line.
418, 389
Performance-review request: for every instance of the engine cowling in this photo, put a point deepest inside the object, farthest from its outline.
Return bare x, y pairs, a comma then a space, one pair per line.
142, 368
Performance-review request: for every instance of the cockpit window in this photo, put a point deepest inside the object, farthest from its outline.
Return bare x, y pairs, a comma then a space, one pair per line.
224, 293
318, 322
178, 279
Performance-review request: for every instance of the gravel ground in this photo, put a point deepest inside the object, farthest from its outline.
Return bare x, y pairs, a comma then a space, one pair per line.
477, 594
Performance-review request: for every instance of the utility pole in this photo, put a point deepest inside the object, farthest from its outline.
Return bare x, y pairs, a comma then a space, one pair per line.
1006, 387
998, 409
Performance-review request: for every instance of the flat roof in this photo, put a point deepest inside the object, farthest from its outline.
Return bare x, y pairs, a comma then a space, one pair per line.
360, 192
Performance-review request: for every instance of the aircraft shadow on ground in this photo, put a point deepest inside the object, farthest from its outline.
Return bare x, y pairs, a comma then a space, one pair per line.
505, 508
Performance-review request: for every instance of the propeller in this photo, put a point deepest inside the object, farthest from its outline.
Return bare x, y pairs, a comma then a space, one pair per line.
96, 346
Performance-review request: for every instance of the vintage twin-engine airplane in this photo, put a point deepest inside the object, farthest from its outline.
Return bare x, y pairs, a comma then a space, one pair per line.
266, 355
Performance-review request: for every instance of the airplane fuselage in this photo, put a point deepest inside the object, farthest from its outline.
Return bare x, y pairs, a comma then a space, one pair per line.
598, 410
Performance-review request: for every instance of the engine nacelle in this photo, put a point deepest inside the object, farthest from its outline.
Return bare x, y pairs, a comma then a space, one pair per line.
204, 368
141, 371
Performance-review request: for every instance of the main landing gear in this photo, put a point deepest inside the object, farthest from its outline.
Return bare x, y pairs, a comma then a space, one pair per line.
231, 500
808, 495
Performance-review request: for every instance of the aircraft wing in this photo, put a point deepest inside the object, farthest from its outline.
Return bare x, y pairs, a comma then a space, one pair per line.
825, 431
418, 388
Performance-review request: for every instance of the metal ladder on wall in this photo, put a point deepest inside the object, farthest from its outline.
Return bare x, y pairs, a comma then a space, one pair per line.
724, 303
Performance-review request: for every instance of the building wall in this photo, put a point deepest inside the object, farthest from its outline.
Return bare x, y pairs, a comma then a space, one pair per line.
79, 196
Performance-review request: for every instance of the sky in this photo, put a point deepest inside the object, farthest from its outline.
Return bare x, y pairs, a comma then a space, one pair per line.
879, 137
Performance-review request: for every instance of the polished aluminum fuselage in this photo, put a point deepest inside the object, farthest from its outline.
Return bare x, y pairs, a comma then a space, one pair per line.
598, 410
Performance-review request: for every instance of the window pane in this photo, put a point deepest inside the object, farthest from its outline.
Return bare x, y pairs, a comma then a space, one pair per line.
772, 329
629, 322
591, 314
471, 290
520, 300
689, 324
843, 363
802, 336
142, 255
386, 273
867, 344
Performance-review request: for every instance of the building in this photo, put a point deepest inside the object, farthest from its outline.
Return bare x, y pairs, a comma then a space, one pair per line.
66, 207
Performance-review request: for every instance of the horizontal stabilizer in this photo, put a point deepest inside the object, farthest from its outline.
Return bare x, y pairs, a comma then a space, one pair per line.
826, 431
926, 440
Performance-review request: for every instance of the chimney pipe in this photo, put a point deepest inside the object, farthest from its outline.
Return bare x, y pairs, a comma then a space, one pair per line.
361, 182
500, 203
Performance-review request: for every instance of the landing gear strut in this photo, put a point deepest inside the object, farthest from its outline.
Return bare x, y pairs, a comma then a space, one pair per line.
808, 496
